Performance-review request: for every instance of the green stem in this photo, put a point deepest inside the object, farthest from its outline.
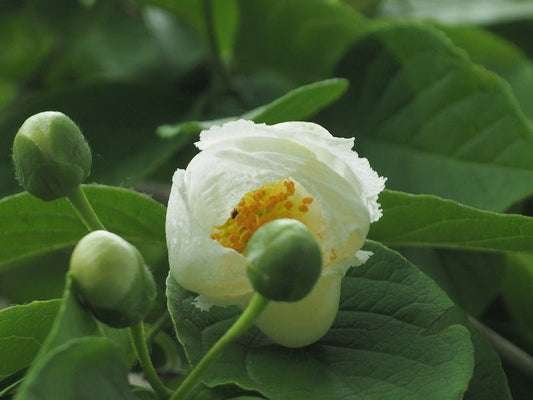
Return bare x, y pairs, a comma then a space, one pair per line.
82, 206
245, 321
141, 349
509, 353
218, 64
156, 326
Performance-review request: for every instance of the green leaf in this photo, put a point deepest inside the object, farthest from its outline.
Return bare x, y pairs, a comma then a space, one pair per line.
424, 220
296, 105
299, 103
84, 368
74, 356
457, 12
471, 279
388, 341
119, 121
432, 121
299, 38
70, 322
489, 381
500, 56
23, 329
31, 227
517, 284
41, 279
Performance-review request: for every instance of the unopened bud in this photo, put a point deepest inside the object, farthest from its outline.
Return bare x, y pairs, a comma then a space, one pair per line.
284, 260
51, 155
110, 276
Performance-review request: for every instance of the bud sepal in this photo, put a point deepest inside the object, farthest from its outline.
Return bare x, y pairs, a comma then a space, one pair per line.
111, 278
50, 155
284, 260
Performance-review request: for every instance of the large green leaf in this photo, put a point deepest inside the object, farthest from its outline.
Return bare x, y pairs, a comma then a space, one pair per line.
489, 381
36, 279
23, 329
517, 284
119, 121
424, 220
471, 279
389, 340
431, 120
300, 38
31, 227
500, 56
456, 12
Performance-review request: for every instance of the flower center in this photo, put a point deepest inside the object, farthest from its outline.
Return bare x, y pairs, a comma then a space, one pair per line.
256, 208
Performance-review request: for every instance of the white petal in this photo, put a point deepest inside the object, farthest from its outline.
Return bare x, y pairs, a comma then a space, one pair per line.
334, 152
219, 176
302, 323
197, 262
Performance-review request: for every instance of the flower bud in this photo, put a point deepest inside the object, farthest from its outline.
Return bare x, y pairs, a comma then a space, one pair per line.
110, 276
51, 156
284, 260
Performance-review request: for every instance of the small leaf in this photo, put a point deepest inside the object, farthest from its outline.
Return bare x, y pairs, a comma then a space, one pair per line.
296, 105
70, 322
84, 368
386, 341
190, 128
23, 330
424, 220
76, 361
299, 103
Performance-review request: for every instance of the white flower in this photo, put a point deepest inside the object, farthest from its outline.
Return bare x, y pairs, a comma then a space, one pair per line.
248, 174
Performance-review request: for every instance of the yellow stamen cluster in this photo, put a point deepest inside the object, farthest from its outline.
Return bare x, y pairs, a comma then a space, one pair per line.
271, 201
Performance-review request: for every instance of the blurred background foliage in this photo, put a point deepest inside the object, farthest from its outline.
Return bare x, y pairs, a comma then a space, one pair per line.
122, 69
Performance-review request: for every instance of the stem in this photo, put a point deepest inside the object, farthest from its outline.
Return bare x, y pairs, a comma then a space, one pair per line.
218, 64
141, 349
509, 352
156, 326
84, 210
245, 321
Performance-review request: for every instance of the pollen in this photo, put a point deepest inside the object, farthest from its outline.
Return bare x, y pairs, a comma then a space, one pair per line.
256, 208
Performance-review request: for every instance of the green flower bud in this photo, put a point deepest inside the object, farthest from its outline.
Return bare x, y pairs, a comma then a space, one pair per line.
110, 276
51, 156
284, 260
